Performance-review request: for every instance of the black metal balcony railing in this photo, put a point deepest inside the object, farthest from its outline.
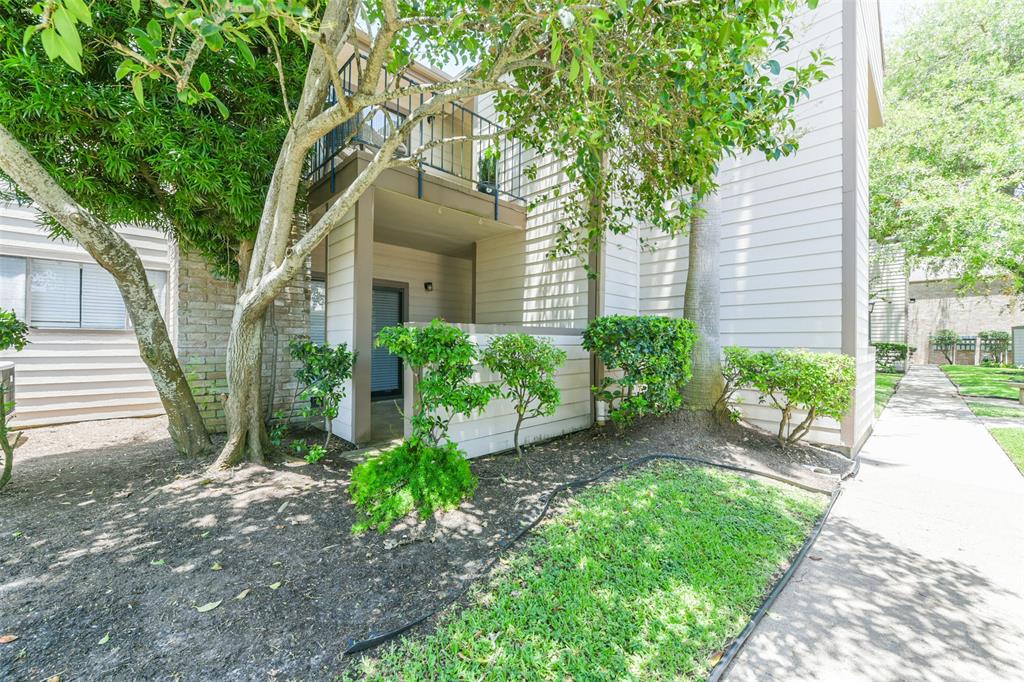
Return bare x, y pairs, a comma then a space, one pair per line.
492, 166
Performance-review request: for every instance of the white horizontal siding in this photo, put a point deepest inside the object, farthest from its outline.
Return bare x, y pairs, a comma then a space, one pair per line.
71, 375
517, 282
781, 272
21, 234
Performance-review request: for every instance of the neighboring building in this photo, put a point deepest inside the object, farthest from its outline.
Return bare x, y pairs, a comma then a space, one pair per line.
937, 303
888, 294
456, 240
909, 305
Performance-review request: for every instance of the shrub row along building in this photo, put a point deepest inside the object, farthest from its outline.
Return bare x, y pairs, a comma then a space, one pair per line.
461, 240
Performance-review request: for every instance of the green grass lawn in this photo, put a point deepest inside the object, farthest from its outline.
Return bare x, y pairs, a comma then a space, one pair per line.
992, 382
1012, 441
999, 411
646, 578
885, 386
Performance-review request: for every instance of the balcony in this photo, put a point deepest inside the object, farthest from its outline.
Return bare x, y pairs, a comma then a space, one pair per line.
493, 167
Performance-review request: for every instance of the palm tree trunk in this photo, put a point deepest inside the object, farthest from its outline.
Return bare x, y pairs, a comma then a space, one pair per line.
702, 305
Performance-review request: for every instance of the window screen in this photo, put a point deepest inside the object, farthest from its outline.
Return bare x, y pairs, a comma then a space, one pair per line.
158, 283
63, 294
102, 305
55, 292
318, 311
12, 285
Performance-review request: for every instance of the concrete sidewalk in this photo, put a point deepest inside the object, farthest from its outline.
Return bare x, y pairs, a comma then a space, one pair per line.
919, 572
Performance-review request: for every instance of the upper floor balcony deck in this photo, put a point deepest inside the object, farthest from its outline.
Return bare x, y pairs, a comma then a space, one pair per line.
493, 166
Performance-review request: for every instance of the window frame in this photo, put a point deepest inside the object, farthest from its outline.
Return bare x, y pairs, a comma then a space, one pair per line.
29, 261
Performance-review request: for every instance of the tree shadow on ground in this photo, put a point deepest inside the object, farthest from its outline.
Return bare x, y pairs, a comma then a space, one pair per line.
113, 537
886, 598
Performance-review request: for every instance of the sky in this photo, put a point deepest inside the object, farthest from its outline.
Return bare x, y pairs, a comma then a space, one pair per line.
897, 15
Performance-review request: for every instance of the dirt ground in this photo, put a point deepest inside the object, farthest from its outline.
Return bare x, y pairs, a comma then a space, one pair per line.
109, 541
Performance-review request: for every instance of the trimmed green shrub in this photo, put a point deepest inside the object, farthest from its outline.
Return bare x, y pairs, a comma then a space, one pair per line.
426, 472
527, 366
325, 369
891, 357
13, 334
945, 341
820, 384
654, 355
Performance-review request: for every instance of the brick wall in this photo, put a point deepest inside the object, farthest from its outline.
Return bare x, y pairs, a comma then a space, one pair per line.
935, 305
204, 307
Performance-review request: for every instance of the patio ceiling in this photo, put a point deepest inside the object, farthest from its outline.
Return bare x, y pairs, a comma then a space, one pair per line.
404, 220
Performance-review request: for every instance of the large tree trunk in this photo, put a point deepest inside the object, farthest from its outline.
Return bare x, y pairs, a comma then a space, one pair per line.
247, 436
117, 257
702, 305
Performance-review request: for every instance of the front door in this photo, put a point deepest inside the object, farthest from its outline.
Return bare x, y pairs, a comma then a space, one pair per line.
386, 369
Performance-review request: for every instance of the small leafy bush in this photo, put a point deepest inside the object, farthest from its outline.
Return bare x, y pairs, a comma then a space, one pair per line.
945, 341
654, 355
425, 472
278, 429
13, 334
527, 366
412, 475
325, 369
994, 345
891, 356
820, 384
315, 453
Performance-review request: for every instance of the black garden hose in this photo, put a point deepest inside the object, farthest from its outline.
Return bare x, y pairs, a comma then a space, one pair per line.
375, 640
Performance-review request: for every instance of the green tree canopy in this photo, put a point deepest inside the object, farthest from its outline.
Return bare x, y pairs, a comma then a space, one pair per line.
947, 169
652, 103
162, 163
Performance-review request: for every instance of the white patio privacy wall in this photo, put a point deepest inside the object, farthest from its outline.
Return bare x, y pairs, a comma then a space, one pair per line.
493, 430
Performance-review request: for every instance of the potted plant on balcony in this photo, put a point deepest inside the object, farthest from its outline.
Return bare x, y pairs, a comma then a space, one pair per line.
488, 165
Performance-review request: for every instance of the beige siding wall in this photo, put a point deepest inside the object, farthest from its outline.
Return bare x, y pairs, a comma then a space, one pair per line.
67, 375
888, 287
864, 17
619, 282
452, 296
794, 246
782, 232
341, 272
516, 281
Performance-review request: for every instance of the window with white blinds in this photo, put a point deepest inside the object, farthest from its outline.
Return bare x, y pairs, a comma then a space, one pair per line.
56, 294
63, 294
318, 311
12, 285
102, 305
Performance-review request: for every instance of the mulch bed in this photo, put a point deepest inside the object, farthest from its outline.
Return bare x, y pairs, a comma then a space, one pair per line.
109, 541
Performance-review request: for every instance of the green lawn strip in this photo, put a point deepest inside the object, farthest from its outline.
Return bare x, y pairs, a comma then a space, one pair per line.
885, 387
990, 382
1012, 441
998, 411
645, 578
